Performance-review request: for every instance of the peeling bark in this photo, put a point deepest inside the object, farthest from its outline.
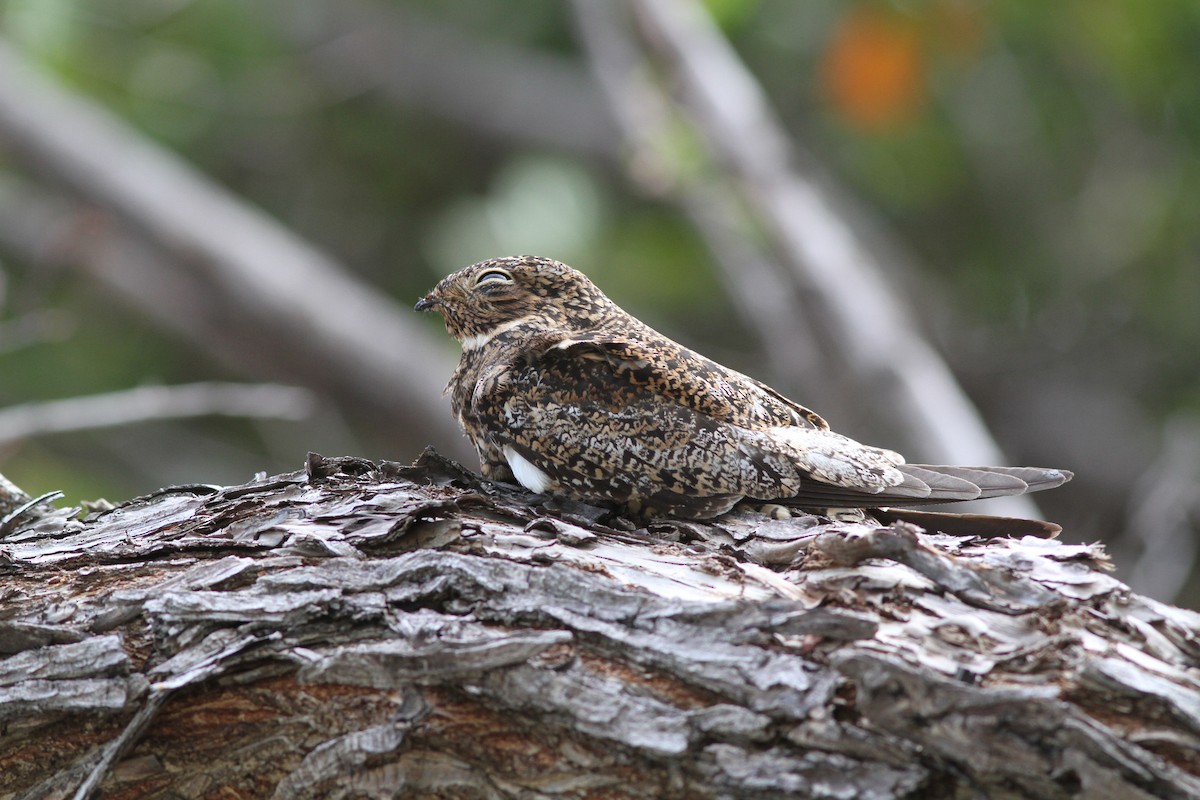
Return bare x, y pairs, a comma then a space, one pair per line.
378, 630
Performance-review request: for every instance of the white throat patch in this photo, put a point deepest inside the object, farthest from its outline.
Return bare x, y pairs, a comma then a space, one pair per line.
480, 339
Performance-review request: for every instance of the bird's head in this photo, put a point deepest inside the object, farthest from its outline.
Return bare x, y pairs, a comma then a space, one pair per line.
499, 294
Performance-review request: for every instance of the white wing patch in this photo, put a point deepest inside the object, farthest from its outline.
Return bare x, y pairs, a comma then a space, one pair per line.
839, 460
526, 473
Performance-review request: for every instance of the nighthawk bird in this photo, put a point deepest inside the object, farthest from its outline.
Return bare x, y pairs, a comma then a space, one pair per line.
565, 392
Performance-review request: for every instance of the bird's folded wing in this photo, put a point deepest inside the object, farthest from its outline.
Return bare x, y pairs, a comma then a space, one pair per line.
627, 418
684, 377
574, 420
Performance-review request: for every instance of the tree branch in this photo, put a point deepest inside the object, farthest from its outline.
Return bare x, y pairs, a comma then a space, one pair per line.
146, 403
11, 496
377, 628
505, 92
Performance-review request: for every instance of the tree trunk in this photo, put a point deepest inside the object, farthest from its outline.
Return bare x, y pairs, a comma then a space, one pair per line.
378, 630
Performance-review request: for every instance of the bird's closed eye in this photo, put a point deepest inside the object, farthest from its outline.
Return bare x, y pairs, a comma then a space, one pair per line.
493, 276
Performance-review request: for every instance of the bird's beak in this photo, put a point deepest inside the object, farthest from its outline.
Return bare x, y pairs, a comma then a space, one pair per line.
425, 303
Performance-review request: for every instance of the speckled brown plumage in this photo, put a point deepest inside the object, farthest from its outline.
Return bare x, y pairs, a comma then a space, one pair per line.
563, 391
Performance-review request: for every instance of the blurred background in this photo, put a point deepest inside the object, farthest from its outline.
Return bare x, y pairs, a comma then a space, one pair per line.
216, 215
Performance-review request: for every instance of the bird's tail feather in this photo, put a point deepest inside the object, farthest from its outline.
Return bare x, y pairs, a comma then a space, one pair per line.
927, 484
968, 524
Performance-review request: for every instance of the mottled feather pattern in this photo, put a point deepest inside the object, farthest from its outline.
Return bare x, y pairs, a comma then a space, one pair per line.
565, 392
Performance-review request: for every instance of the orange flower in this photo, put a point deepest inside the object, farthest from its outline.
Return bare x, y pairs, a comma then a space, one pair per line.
873, 69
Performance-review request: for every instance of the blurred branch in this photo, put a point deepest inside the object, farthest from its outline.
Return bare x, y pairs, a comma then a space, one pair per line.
146, 403
1164, 513
868, 338
237, 279
505, 91
754, 281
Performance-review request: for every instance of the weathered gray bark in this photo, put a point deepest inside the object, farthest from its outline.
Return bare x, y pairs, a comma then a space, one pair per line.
363, 630
11, 496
